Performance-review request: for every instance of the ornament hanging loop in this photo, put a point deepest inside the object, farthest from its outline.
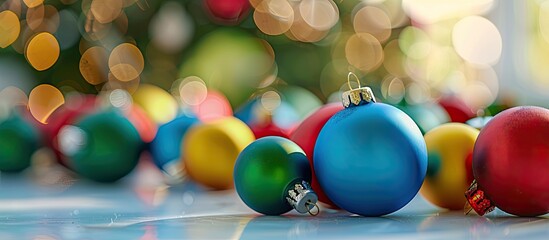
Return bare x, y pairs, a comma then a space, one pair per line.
310, 210
349, 80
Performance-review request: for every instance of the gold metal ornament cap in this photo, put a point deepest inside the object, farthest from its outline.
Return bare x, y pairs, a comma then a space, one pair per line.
357, 96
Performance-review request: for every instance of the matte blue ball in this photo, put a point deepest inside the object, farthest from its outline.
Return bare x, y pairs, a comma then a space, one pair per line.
370, 159
166, 146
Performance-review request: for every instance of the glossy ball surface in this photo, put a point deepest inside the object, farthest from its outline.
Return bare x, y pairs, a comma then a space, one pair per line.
166, 146
18, 141
511, 159
370, 159
266, 169
449, 146
103, 147
210, 151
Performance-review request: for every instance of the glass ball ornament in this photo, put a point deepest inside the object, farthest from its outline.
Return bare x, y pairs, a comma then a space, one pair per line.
18, 141
272, 176
209, 151
457, 109
166, 146
102, 146
510, 164
370, 158
76, 107
449, 171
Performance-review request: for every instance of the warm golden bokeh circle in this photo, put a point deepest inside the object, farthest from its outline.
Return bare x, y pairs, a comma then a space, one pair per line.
126, 62
94, 65
9, 28
43, 100
106, 11
33, 3
374, 21
42, 51
364, 51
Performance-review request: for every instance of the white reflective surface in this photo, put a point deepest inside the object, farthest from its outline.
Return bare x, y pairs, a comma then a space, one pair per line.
141, 207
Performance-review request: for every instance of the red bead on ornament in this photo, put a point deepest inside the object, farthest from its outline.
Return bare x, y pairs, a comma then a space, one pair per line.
306, 134
511, 163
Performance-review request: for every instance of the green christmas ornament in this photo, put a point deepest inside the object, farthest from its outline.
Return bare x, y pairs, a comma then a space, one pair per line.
272, 177
103, 147
18, 141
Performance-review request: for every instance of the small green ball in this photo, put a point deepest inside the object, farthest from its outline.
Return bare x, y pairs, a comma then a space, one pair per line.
266, 169
103, 147
18, 141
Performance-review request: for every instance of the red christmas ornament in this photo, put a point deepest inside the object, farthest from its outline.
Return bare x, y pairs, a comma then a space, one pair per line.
142, 122
457, 109
229, 12
306, 134
215, 106
75, 107
268, 129
511, 163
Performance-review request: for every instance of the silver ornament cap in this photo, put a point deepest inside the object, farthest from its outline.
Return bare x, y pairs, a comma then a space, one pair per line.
302, 198
357, 96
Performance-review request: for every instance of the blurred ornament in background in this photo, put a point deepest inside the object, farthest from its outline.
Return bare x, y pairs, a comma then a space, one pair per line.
457, 109
76, 107
142, 122
268, 129
449, 174
267, 114
214, 106
103, 146
227, 12
426, 115
272, 176
503, 103
171, 29
479, 122
510, 162
227, 67
306, 134
209, 151
370, 158
159, 105
166, 147
301, 99
19, 140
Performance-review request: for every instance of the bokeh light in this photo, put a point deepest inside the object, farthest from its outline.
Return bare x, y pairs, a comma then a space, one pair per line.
477, 40
94, 65
374, 21
42, 51
9, 28
106, 11
43, 100
126, 62
33, 3
364, 51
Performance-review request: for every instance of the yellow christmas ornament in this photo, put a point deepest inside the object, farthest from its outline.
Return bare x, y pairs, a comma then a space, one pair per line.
159, 105
210, 151
449, 172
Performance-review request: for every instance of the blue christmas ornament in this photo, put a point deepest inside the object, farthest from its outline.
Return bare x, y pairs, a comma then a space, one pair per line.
370, 158
166, 146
